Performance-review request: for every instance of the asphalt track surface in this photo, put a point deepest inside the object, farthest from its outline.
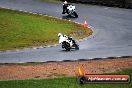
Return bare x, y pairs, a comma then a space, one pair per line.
112, 33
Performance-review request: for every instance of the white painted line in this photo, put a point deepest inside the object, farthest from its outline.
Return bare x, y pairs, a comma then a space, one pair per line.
60, 18
21, 10
31, 12
49, 16
3, 7
104, 57
60, 60
46, 15
34, 13
40, 47
76, 22
17, 50
47, 46
26, 48
41, 14
88, 27
118, 56
106, 8
25, 11
8, 8
85, 39
13, 9
34, 48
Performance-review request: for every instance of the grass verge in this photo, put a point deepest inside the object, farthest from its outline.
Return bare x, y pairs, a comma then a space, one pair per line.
19, 30
66, 82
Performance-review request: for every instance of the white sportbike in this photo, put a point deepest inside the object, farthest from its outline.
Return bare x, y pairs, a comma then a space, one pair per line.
70, 10
67, 42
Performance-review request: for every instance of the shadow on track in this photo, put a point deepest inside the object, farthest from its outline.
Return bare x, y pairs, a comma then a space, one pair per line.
72, 50
68, 17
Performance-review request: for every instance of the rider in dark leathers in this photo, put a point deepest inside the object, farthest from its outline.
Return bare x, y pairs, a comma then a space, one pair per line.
65, 4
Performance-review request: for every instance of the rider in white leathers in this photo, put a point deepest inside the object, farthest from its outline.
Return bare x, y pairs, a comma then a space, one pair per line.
65, 38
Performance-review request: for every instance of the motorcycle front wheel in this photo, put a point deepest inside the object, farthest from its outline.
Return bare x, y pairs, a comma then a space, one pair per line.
66, 46
76, 47
75, 14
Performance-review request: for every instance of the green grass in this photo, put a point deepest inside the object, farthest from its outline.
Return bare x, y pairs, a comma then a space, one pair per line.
19, 30
61, 83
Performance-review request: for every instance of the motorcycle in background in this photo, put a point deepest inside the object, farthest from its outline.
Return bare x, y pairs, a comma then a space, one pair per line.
70, 10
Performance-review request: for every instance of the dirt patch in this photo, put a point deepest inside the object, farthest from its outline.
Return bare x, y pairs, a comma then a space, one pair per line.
61, 69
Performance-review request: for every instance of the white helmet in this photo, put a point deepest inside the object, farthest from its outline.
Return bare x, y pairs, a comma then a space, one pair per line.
59, 34
65, 2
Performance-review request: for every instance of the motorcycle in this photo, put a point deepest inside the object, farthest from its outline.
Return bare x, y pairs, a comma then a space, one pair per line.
70, 10
67, 42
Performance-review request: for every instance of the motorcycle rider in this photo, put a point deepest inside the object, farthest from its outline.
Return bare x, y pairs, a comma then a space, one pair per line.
65, 4
71, 39
64, 38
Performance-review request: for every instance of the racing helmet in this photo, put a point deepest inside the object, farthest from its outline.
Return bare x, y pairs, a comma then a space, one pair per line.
65, 2
59, 34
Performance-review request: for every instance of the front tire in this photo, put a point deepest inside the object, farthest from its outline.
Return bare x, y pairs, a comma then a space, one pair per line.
76, 47
67, 49
75, 14
66, 46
